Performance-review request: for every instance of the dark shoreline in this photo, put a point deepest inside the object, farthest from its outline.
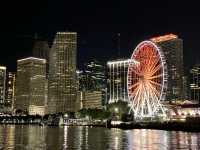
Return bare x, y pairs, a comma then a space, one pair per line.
167, 126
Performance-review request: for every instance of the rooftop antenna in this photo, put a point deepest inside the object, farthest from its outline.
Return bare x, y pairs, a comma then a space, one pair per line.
118, 44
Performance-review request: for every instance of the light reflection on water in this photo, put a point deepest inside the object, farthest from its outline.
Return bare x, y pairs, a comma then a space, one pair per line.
53, 138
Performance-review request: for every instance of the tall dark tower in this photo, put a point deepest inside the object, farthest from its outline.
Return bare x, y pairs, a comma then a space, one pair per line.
41, 50
172, 47
62, 73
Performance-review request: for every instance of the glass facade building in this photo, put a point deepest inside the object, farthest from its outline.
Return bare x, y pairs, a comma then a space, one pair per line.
62, 73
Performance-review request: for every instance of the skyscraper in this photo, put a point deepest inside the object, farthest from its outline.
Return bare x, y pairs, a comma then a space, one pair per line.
31, 85
117, 80
10, 89
2, 84
62, 73
41, 50
172, 47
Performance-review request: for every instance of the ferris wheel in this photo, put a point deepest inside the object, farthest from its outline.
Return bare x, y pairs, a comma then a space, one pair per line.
146, 80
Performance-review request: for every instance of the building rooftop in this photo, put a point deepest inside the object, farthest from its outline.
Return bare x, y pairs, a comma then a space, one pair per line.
120, 61
32, 58
66, 32
3, 67
163, 38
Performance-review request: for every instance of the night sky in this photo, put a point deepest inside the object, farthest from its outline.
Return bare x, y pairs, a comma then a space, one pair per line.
97, 24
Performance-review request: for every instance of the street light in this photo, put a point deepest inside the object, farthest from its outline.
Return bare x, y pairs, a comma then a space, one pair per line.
116, 110
66, 115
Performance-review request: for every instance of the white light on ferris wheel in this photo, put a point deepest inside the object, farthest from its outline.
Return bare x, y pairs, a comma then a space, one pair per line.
146, 80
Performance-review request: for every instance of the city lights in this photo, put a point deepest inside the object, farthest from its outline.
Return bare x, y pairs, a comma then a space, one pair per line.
100, 75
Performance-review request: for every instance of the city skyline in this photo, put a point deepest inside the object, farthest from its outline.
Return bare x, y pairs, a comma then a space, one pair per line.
97, 25
11, 65
63, 93
67, 47
99, 74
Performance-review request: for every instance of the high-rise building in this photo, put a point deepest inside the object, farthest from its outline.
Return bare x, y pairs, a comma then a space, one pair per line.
117, 80
10, 89
41, 50
93, 78
31, 85
2, 84
172, 47
62, 73
195, 83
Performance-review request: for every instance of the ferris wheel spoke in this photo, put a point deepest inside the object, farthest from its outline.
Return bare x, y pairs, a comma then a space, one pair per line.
152, 59
154, 77
155, 83
136, 100
155, 94
154, 102
154, 90
156, 69
150, 63
145, 107
147, 98
157, 104
133, 86
135, 70
157, 100
154, 62
134, 93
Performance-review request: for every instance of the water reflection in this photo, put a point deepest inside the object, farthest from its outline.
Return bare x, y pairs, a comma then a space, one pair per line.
51, 138
148, 139
7, 137
184, 140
